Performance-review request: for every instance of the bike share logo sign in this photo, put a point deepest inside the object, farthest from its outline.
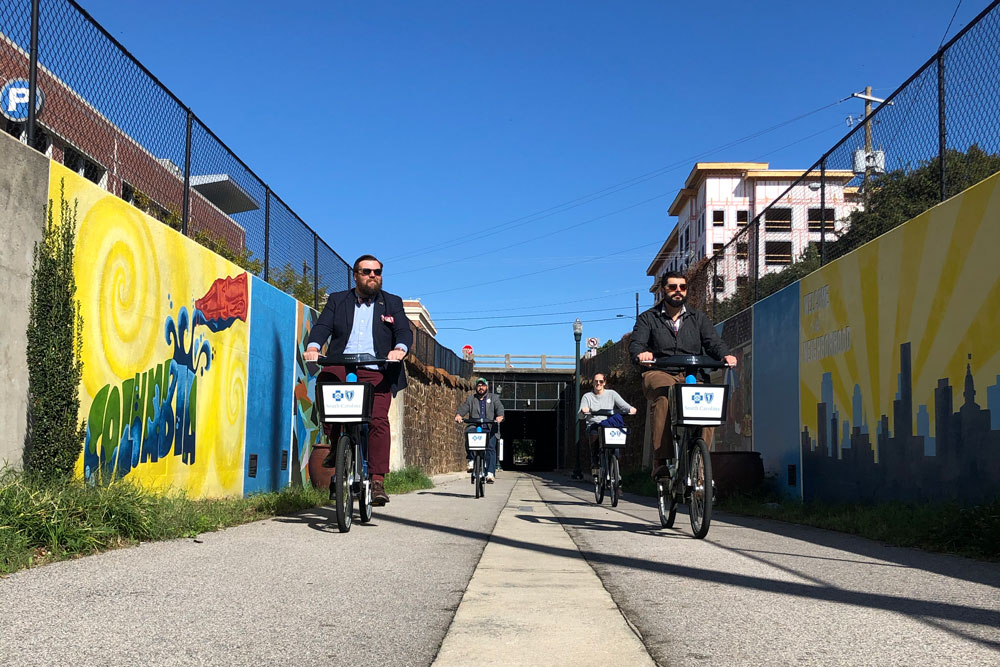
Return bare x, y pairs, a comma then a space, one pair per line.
343, 400
614, 436
702, 402
477, 440
14, 100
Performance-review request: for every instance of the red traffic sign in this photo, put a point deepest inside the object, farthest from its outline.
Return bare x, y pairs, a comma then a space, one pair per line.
467, 351
593, 342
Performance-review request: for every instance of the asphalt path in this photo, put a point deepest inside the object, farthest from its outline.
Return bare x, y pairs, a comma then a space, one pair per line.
289, 590
758, 592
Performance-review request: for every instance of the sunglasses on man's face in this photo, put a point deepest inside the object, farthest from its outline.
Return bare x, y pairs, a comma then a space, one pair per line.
598, 381
677, 287
368, 272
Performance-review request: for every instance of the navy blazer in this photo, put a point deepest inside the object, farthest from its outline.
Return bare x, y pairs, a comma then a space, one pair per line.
390, 327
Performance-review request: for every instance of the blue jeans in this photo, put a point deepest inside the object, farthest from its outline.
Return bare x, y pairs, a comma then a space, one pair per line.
490, 453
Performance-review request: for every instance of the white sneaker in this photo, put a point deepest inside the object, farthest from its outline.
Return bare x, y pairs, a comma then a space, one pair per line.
469, 466
489, 478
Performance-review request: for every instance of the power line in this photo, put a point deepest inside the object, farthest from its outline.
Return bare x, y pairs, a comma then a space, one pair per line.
543, 236
599, 194
953, 15
534, 273
557, 303
521, 326
508, 317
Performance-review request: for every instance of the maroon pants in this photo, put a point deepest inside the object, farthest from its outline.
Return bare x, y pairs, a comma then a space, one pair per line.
379, 439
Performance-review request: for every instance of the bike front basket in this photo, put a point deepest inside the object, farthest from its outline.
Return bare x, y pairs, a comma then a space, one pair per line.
698, 404
476, 441
345, 401
613, 437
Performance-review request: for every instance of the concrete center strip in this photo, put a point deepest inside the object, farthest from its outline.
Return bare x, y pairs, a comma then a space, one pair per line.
537, 605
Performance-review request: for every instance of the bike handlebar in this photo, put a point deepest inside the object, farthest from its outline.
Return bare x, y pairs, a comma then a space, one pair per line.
359, 359
686, 361
482, 422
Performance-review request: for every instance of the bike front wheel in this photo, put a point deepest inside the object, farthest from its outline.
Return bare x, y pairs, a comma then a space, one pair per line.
342, 483
480, 477
701, 488
614, 479
599, 485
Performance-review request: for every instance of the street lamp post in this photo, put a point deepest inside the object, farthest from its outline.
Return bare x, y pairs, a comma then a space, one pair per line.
577, 334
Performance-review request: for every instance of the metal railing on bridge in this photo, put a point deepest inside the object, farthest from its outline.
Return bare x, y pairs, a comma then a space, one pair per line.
544, 362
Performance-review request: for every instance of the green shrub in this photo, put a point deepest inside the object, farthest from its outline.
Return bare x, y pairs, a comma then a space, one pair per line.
407, 479
55, 435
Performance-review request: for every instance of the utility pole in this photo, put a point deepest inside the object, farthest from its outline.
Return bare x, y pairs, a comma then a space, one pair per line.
636, 305
868, 98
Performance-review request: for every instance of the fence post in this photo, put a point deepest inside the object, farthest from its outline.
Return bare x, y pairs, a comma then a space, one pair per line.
33, 73
822, 212
942, 135
756, 256
316, 271
187, 175
267, 233
715, 280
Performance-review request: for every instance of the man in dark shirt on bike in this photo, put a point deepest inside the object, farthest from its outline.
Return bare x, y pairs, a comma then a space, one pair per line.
668, 328
366, 319
483, 403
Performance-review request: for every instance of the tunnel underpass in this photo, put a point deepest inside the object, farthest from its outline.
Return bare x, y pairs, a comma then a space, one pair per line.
537, 407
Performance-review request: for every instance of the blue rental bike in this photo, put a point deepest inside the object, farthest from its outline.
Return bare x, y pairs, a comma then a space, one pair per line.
349, 404
476, 442
692, 407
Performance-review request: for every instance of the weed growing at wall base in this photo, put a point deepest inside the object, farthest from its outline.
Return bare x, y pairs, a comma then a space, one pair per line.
44, 520
407, 479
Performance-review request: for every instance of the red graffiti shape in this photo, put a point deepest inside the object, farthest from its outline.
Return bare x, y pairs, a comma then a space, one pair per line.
226, 299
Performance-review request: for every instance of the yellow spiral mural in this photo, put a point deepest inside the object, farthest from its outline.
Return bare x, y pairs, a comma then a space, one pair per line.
164, 386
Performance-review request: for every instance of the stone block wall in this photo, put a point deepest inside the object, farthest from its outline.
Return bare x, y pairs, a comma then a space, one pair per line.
432, 440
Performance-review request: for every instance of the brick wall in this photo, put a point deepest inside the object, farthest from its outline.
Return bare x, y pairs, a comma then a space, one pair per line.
431, 438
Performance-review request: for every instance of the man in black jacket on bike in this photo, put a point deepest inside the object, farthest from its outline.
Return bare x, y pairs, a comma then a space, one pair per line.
668, 328
366, 319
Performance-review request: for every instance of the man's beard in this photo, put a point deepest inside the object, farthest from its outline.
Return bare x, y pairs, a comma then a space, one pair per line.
677, 300
365, 291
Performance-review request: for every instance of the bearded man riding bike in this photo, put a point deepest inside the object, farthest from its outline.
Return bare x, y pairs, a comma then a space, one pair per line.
671, 327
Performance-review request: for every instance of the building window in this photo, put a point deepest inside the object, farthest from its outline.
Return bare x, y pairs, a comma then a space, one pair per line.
20, 132
777, 253
741, 250
742, 218
720, 284
719, 218
815, 221
717, 248
76, 161
742, 281
778, 220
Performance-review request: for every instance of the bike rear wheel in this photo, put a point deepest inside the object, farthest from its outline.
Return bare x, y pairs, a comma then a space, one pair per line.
480, 476
599, 481
701, 488
614, 479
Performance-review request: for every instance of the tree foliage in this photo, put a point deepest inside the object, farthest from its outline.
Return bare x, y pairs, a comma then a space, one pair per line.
298, 284
54, 354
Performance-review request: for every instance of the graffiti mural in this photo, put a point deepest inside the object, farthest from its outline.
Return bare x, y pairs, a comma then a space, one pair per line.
898, 340
306, 425
165, 349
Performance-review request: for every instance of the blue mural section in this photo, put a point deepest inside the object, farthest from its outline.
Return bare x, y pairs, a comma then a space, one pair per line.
271, 378
776, 388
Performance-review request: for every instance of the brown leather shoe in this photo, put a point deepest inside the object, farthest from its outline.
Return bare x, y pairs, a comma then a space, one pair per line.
379, 496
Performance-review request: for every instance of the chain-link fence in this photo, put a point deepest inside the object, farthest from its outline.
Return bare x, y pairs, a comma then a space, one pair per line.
936, 135
433, 353
70, 90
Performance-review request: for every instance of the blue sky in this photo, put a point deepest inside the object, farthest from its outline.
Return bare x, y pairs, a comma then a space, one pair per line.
474, 146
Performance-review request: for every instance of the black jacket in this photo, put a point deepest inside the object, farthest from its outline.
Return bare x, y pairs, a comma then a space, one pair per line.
390, 327
653, 333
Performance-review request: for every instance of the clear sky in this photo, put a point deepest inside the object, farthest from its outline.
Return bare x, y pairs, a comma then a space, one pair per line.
508, 158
